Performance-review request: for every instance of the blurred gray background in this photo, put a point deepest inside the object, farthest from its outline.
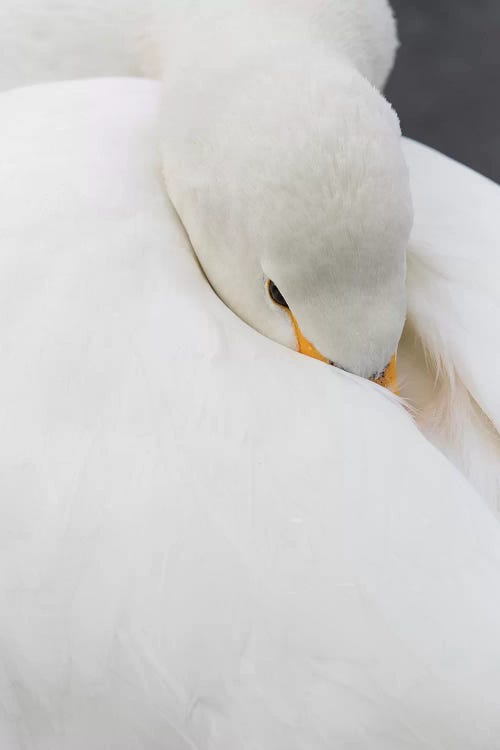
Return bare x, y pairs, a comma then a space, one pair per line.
446, 83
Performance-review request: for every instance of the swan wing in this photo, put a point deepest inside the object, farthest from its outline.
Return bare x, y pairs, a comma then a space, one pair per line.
454, 313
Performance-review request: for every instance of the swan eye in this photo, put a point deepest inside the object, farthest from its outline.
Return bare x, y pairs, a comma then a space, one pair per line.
275, 294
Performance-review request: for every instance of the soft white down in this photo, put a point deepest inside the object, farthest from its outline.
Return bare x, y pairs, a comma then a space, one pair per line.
208, 541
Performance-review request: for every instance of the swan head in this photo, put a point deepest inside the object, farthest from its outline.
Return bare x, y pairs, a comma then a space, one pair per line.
302, 219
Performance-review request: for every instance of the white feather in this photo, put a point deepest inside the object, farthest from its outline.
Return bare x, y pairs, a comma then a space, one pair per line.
454, 310
48, 40
208, 540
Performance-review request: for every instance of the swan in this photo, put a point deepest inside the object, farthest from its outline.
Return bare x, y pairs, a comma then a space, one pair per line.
217, 543
208, 540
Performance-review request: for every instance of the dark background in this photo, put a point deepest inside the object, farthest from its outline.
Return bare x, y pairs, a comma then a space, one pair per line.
446, 82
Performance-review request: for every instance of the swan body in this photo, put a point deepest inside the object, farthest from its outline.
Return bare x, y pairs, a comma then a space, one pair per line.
208, 540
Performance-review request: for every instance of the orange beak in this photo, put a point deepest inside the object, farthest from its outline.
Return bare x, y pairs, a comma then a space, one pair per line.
388, 379
304, 345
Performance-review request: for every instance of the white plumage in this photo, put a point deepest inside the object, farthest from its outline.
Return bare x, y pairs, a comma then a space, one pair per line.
454, 305
208, 540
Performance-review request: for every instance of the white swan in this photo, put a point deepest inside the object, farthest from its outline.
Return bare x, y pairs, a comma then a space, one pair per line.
217, 543
208, 541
